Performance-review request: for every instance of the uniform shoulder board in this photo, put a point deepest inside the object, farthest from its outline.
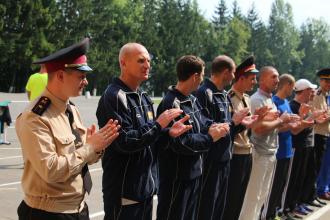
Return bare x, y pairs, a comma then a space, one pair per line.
231, 93
121, 96
209, 94
41, 106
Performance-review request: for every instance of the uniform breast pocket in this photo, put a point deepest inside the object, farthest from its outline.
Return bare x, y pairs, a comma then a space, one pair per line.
82, 131
64, 143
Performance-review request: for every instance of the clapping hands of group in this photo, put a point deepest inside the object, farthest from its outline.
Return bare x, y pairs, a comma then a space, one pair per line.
102, 138
178, 127
218, 130
242, 117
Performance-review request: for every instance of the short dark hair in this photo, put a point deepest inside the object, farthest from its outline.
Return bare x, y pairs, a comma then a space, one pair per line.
188, 65
285, 79
221, 63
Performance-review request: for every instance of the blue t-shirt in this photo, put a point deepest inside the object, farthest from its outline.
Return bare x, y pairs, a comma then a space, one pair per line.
285, 138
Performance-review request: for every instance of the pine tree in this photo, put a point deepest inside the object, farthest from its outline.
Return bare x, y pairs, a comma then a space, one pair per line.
283, 38
257, 45
315, 42
239, 35
236, 12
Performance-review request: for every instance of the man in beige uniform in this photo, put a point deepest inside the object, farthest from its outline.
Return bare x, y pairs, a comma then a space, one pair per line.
241, 162
56, 146
321, 102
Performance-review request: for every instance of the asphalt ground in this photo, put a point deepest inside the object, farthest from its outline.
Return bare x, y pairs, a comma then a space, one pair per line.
11, 164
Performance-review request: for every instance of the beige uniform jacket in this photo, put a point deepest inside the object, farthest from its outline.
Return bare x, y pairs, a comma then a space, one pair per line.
242, 144
319, 103
52, 178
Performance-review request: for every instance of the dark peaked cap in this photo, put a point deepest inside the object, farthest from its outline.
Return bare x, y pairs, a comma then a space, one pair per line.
69, 57
247, 66
324, 73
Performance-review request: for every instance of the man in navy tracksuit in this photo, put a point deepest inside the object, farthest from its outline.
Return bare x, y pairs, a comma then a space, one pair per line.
180, 159
215, 100
130, 172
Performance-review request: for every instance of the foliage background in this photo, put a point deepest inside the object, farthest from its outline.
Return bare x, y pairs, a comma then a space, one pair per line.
31, 29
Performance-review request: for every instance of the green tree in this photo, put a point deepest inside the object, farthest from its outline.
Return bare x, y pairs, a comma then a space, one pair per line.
315, 41
236, 12
220, 22
257, 44
221, 18
181, 30
23, 39
283, 38
114, 24
239, 35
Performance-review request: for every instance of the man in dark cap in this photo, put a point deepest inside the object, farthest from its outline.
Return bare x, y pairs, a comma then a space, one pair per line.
241, 162
56, 146
321, 101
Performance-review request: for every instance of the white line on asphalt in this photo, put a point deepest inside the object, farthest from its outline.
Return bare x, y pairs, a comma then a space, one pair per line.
97, 214
16, 183
4, 189
10, 148
19, 101
9, 184
13, 157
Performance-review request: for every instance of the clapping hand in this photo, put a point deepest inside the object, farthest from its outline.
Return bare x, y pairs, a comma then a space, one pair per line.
304, 110
168, 116
321, 116
102, 138
179, 127
239, 115
271, 116
262, 111
249, 121
218, 131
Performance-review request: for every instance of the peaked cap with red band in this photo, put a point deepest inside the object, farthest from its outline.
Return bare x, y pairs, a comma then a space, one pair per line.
247, 66
69, 57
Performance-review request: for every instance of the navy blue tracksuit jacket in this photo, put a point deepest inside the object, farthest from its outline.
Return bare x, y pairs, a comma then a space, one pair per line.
180, 160
217, 105
129, 166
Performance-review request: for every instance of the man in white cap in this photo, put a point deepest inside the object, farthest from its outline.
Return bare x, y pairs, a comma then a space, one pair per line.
302, 178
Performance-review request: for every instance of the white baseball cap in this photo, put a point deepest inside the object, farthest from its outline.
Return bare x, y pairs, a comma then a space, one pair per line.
303, 84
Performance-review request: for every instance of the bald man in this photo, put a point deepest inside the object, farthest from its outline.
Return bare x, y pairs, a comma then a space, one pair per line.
130, 172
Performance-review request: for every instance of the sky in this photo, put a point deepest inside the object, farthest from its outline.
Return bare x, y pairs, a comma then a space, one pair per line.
302, 9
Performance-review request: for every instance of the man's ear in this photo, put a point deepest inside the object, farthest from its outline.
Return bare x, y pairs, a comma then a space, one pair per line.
196, 75
60, 75
122, 63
